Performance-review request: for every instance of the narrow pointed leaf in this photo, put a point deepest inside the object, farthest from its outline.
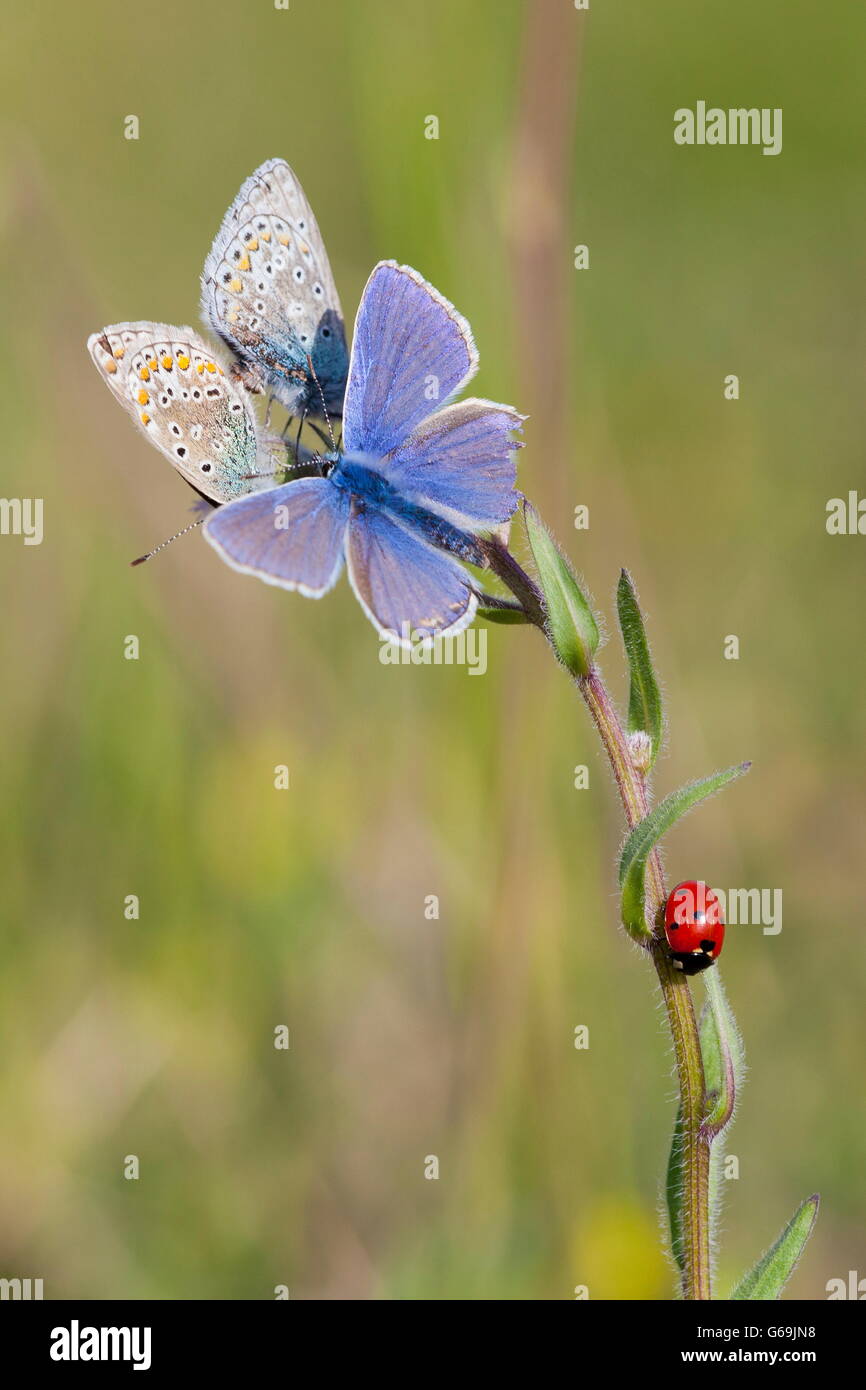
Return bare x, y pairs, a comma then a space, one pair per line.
773, 1270
724, 1070
647, 833
571, 625
501, 610
644, 699
722, 1052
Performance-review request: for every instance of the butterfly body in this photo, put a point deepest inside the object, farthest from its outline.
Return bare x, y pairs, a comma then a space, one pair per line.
268, 291
368, 487
280, 362
417, 479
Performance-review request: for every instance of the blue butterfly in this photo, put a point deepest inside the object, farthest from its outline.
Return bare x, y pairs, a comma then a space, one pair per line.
415, 481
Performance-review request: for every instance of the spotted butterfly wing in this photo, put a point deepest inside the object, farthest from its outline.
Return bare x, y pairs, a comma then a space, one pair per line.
268, 291
186, 403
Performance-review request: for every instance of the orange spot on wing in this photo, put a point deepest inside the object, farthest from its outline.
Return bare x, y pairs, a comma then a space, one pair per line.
144, 374
166, 362
143, 397
252, 244
145, 418
235, 286
244, 263
111, 366
183, 362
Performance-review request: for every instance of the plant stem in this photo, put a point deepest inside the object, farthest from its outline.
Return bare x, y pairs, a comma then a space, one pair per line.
504, 565
678, 1005
674, 985
696, 1144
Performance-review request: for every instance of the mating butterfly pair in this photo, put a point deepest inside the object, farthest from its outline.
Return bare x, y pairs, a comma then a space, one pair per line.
401, 502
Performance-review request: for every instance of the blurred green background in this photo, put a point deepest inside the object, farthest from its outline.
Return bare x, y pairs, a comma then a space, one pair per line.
412, 1037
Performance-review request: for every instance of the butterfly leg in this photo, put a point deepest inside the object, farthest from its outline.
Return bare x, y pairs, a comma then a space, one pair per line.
324, 438
248, 377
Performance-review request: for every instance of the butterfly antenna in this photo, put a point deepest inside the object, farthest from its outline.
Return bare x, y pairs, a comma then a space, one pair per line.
268, 473
322, 397
177, 535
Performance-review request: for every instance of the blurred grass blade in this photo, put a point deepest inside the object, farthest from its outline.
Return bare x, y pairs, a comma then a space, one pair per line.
644, 699
647, 833
674, 1193
774, 1269
571, 624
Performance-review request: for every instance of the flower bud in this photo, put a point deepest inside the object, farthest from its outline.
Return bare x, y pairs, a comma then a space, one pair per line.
640, 748
571, 625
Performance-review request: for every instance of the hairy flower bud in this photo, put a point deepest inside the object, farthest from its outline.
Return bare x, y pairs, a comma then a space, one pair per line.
640, 747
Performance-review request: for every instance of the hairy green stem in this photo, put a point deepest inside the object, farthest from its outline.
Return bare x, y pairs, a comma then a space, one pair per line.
674, 985
678, 1005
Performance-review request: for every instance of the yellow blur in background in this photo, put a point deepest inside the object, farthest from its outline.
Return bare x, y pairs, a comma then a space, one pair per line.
415, 1035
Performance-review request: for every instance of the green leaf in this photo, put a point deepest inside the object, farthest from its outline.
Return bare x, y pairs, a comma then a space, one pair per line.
647, 833
724, 1069
724, 1072
644, 700
501, 610
571, 625
722, 1052
773, 1270
674, 1193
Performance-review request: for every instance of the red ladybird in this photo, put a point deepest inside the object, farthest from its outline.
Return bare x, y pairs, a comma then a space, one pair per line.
694, 927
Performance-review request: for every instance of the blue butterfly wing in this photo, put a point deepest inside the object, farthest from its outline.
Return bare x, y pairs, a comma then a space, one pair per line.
461, 461
411, 352
403, 584
292, 536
